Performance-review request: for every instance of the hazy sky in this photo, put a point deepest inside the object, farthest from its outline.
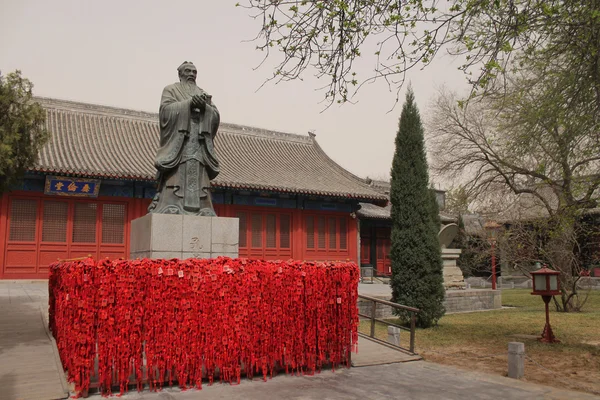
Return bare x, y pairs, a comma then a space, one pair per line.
122, 54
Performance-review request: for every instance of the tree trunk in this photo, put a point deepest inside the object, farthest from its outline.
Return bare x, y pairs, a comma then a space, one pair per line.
560, 251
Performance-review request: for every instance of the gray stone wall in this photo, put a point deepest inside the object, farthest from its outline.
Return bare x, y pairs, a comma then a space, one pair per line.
588, 282
523, 282
383, 311
456, 301
472, 300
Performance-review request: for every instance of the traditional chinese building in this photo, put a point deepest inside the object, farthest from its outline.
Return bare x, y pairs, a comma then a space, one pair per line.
97, 174
376, 229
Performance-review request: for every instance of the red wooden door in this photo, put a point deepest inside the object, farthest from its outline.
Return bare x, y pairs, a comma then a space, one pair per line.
384, 265
365, 250
22, 239
41, 230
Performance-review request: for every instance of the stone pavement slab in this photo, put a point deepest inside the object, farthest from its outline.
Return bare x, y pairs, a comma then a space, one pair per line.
406, 381
29, 366
375, 290
373, 353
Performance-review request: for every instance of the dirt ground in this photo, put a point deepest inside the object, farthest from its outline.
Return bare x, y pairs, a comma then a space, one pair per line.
581, 372
479, 341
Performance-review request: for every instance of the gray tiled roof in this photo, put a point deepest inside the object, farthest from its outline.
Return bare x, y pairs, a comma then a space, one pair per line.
99, 141
372, 211
473, 224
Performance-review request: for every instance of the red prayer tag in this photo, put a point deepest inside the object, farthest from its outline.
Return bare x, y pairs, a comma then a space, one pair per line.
183, 330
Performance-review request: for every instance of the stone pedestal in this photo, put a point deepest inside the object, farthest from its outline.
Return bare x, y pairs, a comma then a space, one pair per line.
184, 236
453, 277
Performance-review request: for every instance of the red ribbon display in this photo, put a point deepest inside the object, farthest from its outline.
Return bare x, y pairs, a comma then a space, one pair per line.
179, 321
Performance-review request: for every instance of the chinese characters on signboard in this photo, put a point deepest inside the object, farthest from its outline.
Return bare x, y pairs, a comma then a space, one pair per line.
72, 186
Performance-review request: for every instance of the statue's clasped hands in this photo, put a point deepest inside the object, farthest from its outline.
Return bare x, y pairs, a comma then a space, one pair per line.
199, 101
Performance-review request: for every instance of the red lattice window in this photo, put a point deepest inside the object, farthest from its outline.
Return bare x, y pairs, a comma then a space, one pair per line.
310, 232
54, 225
84, 223
113, 223
271, 231
332, 233
23, 217
321, 231
284, 231
343, 234
243, 227
265, 234
257, 230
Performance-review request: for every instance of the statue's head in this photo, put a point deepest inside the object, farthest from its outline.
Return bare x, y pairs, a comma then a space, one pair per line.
187, 72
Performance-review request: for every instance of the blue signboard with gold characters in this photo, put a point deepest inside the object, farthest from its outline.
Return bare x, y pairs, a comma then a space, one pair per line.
65, 186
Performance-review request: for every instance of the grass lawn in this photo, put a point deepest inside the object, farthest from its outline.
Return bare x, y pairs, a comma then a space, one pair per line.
479, 341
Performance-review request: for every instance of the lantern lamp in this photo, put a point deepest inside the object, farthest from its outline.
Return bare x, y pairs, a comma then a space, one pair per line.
546, 284
492, 228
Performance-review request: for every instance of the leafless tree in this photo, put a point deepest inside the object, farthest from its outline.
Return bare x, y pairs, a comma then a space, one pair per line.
529, 152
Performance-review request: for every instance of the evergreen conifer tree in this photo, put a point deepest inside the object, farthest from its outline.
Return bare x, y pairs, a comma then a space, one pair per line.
22, 129
417, 277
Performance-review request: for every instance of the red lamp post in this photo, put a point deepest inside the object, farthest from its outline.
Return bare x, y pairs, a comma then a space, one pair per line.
545, 284
492, 228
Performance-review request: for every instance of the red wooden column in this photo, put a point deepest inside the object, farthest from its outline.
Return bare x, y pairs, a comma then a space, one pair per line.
353, 240
298, 241
3, 228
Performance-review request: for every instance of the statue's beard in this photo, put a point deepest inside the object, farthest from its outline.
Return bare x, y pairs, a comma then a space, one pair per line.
189, 86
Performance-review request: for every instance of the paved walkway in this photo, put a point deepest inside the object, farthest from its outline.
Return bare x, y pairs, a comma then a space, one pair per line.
29, 370
372, 353
375, 290
404, 381
29, 367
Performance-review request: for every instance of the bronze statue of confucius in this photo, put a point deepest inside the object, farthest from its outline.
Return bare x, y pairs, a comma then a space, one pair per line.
186, 159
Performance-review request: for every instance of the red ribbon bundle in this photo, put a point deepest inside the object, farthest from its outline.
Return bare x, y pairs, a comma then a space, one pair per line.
72, 312
192, 319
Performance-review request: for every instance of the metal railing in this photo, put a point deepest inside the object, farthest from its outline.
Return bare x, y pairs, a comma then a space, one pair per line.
373, 319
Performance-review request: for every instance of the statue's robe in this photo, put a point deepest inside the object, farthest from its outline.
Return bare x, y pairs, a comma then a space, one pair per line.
186, 159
